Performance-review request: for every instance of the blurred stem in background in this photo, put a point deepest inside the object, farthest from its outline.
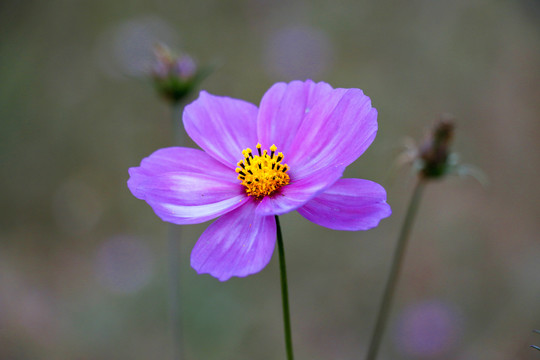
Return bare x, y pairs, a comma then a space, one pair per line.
399, 253
173, 252
432, 160
175, 77
174, 249
284, 293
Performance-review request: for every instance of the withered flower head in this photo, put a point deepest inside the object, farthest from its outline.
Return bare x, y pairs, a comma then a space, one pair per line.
435, 151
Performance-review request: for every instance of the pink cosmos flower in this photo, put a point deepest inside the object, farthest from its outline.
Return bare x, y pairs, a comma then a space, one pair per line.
303, 136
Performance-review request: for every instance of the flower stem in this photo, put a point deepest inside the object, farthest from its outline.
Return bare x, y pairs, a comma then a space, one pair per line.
386, 303
174, 251
284, 293
178, 132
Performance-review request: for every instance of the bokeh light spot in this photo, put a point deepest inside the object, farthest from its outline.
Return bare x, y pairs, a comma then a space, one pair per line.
427, 329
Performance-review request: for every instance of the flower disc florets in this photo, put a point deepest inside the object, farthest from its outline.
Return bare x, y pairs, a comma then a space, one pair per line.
263, 174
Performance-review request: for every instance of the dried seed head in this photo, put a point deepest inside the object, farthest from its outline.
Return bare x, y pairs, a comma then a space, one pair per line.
434, 152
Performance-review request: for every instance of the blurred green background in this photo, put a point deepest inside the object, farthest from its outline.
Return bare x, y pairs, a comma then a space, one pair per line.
83, 263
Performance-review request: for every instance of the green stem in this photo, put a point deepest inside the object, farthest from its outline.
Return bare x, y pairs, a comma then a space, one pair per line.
179, 133
284, 293
174, 250
386, 303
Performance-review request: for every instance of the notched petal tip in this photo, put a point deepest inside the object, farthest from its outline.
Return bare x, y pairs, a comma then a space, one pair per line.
350, 204
239, 244
137, 175
221, 277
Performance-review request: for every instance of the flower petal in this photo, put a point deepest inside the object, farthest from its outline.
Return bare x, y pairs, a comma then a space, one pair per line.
350, 204
222, 126
335, 132
186, 186
177, 159
239, 243
283, 108
189, 198
299, 192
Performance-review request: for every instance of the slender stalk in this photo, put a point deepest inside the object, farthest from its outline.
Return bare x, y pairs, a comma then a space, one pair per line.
284, 293
399, 253
174, 249
179, 133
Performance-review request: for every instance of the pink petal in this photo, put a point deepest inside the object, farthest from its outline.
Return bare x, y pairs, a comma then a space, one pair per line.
186, 186
335, 132
222, 126
299, 192
283, 108
239, 243
177, 159
350, 204
188, 198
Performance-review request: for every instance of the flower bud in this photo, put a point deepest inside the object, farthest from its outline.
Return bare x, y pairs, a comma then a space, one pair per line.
175, 76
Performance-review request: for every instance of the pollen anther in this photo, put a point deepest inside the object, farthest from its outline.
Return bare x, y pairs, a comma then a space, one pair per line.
263, 174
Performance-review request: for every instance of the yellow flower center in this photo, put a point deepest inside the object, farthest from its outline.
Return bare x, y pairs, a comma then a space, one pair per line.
263, 174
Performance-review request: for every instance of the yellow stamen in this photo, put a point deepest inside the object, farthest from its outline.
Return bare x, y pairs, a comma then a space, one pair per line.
262, 175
